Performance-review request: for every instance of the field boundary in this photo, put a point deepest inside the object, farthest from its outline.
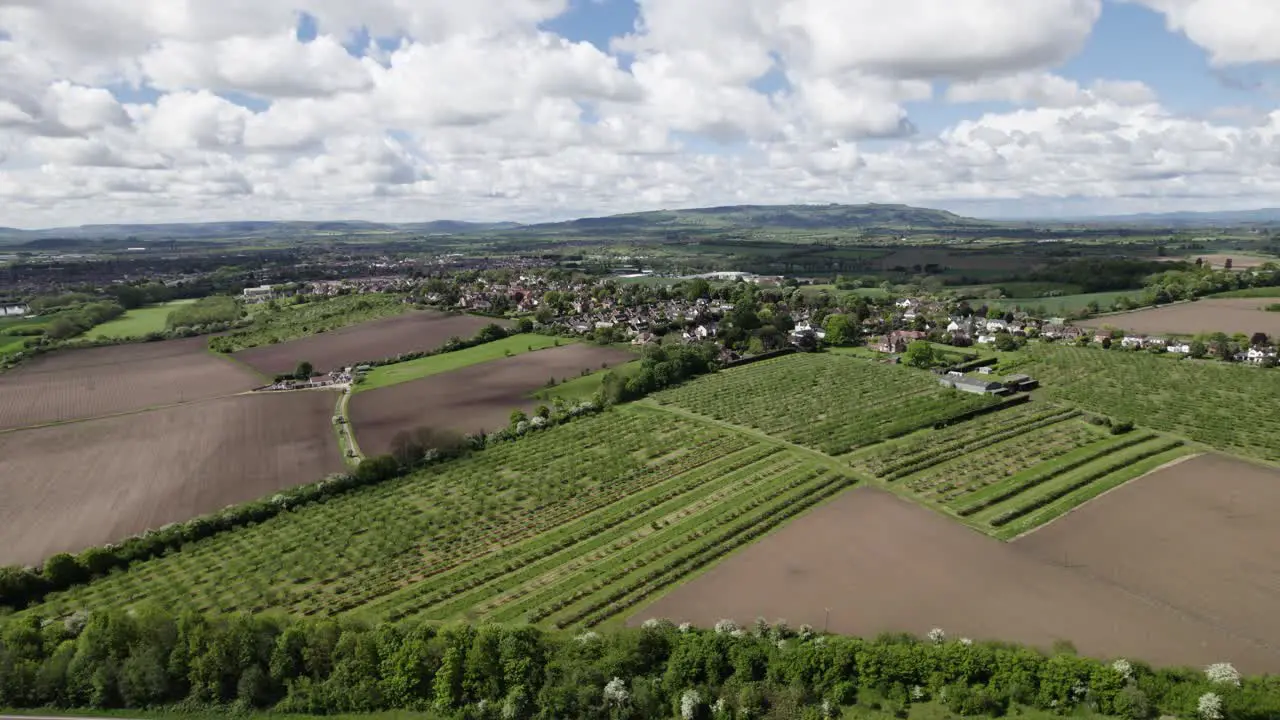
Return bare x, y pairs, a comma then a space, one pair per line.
1108, 491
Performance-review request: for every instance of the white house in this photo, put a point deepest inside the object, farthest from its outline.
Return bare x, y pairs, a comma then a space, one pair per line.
1257, 356
1179, 348
1132, 341
985, 339
995, 325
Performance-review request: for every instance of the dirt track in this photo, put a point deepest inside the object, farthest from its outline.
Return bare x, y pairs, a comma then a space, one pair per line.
68, 487
883, 564
1228, 315
470, 400
373, 340
93, 382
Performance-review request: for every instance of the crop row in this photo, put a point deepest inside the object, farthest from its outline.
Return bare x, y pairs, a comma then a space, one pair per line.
832, 403
1021, 486
995, 463
1093, 476
326, 558
1219, 404
675, 539
512, 562
638, 589
955, 450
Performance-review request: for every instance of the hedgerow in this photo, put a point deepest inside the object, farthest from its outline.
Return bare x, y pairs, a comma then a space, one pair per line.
154, 659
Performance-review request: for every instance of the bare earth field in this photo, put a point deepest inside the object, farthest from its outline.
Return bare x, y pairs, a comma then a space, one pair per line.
93, 382
68, 487
475, 398
1201, 535
1228, 315
1219, 261
372, 340
880, 563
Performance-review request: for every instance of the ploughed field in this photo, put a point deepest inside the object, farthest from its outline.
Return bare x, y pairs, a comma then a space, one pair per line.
76, 485
1228, 315
94, 382
869, 562
573, 525
472, 399
368, 341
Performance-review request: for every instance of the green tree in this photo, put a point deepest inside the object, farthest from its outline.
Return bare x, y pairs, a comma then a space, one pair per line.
919, 354
841, 330
304, 370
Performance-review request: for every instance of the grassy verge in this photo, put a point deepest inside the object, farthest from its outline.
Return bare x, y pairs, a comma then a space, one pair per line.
137, 322
1259, 292
585, 387
435, 364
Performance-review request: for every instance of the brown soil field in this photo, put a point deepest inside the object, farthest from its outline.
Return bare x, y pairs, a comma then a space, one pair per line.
879, 563
475, 398
72, 486
1200, 535
1228, 315
367, 341
93, 382
1218, 261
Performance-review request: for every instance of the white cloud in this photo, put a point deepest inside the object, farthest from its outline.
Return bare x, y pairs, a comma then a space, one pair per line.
1047, 89
480, 112
1233, 31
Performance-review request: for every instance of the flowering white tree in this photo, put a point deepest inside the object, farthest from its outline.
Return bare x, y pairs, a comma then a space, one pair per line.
1210, 706
1123, 668
966, 641
760, 628
615, 692
1223, 673
726, 627
588, 636
690, 701
685, 627
937, 636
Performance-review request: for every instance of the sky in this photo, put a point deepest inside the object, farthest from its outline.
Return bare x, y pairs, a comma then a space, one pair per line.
135, 111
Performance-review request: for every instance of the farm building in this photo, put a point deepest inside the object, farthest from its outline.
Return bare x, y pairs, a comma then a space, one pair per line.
259, 294
977, 386
1021, 382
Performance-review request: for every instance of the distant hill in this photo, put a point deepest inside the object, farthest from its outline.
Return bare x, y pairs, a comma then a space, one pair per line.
779, 217
1262, 216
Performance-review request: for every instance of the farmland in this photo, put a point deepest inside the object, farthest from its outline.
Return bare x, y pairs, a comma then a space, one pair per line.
397, 373
1228, 315
1068, 304
274, 323
124, 378
1011, 471
374, 340
902, 568
472, 399
569, 526
1225, 406
830, 403
76, 485
138, 322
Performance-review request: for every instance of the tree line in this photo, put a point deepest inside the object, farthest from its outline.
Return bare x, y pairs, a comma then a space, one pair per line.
149, 658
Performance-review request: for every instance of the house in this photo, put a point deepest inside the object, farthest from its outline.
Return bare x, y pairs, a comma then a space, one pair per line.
985, 339
984, 370
1101, 335
259, 294
995, 326
976, 386
644, 338
960, 325
1259, 356
1179, 348
1132, 341
897, 341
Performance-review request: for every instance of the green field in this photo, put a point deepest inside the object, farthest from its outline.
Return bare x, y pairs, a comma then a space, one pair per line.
1016, 469
403, 372
572, 526
828, 402
1259, 292
137, 322
584, 388
1226, 406
1066, 304
290, 322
